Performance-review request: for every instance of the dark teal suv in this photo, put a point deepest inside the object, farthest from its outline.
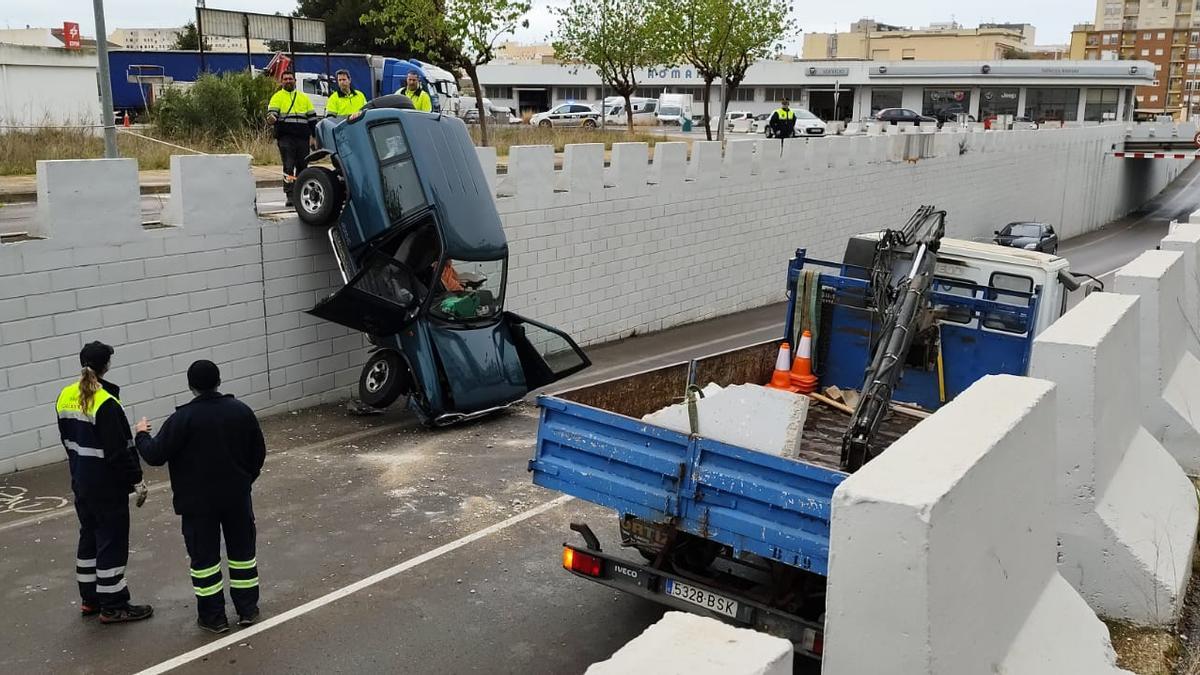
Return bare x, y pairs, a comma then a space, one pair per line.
423, 256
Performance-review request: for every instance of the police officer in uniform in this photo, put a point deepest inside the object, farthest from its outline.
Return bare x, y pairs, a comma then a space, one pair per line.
214, 450
293, 117
783, 121
104, 471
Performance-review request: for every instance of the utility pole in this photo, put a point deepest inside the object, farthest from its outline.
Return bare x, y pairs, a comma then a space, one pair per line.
106, 107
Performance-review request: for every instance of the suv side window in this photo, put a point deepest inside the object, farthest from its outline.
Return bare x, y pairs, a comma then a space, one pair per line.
579, 109
402, 191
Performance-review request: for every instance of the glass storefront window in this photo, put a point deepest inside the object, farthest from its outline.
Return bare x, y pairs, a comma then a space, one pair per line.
886, 98
1101, 105
1052, 105
998, 101
945, 103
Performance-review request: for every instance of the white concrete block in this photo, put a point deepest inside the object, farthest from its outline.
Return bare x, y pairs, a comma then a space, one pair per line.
88, 202
1170, 373
487, 162
686, 644
1126, 513
629, 172
739, 161
530, 176
746, 415
211, 193
670, 163
583, 169
705, 167
1185, 238
942, 550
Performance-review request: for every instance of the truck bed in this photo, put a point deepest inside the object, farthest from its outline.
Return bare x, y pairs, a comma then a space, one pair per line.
592, 444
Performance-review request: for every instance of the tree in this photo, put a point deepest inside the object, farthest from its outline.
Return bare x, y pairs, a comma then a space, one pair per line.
188, 39
459, 33
755, 31
617, 37
346, 32
697, 34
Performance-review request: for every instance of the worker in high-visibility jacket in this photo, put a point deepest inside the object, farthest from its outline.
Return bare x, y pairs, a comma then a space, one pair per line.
293, 118
346, 100
419, 97
783, 121
104, 471
214, 449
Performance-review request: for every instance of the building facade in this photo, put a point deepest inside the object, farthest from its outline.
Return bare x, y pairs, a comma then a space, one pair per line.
1164, 32
868, 39
162, 39
1066, 91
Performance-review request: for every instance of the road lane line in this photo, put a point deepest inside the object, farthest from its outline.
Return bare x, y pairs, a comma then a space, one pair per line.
162, 485
296, 612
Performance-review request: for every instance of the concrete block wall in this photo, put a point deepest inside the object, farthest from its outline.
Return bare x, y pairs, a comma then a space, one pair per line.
1169, 370
1126, 514
942, 550
637, 248
219, 284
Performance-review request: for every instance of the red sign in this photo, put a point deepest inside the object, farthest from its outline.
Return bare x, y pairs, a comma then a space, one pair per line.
71, 38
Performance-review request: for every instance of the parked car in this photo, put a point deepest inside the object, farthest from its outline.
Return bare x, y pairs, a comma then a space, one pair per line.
568, 115
737, 115
897, 115
504, 116
424, 262
1029, 236
645, 111
807, 124
949, 114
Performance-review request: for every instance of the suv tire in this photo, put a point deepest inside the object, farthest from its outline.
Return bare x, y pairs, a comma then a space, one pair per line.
318, 195
384, 379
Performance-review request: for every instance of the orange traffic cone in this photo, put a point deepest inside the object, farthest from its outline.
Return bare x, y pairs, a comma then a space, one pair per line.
782, 379
801, 377
127, 124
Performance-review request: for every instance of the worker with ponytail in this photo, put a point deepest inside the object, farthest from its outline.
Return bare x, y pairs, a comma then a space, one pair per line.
104, 471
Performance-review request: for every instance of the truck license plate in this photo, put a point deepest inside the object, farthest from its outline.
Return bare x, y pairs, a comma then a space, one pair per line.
702, 598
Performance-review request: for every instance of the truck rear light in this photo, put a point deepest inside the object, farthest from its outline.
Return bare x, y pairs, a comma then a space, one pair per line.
578, 561
813, 642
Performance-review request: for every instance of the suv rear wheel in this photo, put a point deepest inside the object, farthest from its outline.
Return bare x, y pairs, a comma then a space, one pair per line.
383, 380
318, 195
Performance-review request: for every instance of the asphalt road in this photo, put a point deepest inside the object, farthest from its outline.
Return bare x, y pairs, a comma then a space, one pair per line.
16, 217
384, 547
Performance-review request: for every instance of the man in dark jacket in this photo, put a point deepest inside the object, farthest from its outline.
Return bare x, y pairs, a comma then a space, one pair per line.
783, 121
104, 471
214, 451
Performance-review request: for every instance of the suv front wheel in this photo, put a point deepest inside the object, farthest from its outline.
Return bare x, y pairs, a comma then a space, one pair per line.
318, 195
384, 379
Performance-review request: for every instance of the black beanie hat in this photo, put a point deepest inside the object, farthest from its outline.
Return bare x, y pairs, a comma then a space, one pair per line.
95, 355
203, 375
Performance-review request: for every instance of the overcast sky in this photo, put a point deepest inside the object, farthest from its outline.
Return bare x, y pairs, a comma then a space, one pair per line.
1053, 18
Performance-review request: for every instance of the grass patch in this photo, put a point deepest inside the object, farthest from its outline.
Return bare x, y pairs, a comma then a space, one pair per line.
21, 150
504, 138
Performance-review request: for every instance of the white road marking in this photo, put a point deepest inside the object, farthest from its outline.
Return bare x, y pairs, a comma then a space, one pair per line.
296, 612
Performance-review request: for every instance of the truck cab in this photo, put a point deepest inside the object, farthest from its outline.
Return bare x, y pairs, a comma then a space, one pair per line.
424, 261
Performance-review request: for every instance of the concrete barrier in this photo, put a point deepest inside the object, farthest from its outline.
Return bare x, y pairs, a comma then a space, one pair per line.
942, 550
1125, 512
1185, 238
1170, 373
687, 644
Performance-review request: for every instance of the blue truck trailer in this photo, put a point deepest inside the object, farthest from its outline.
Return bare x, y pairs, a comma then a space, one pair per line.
741, 535
135, 74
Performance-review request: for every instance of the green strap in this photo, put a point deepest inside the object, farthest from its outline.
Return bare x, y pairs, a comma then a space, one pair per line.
205, 591
207, 571
243, 583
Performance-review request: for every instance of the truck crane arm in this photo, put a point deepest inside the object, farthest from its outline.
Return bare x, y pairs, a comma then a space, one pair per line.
901, 303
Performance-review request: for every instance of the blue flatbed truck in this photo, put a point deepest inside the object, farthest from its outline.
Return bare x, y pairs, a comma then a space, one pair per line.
743, 536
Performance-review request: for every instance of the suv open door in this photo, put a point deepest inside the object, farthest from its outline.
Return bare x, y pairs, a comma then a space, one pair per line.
381, 299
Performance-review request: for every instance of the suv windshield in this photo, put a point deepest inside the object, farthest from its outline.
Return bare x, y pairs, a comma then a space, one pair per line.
470, 290
1025, 230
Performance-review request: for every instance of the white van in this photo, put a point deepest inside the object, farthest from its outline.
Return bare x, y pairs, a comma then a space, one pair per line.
645, 111
673, 109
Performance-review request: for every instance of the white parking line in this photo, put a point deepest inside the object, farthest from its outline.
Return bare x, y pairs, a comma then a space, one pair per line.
241, 635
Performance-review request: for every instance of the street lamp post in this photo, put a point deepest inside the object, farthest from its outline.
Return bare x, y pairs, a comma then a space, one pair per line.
106, 105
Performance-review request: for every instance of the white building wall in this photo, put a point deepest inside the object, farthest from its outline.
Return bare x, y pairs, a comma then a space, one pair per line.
40, 85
